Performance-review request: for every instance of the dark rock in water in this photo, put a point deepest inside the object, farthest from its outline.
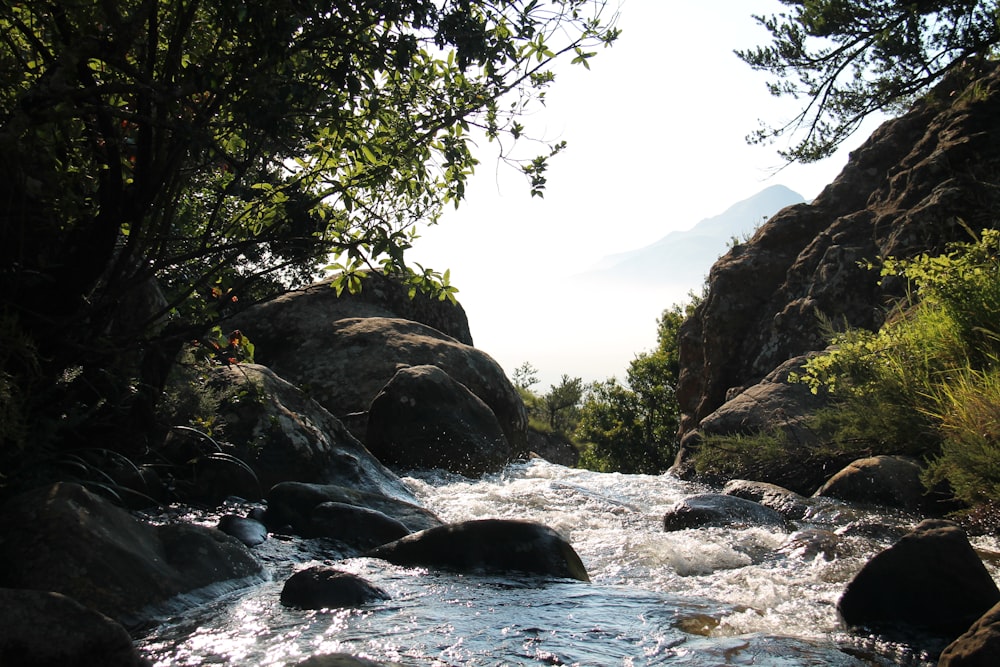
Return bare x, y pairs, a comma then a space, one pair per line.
42, 628
931, 581
786, 503
553, 447
292, 503
63, 538
423, 418
342, 660
812, 542
488, 545
979, 646
715, 509
358, 527
327, 588
892, 481
248, 531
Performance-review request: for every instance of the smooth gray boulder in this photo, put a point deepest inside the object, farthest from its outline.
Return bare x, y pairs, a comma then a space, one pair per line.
488, 546
715, 509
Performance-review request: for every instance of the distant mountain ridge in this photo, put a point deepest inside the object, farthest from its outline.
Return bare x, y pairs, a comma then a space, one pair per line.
685, 257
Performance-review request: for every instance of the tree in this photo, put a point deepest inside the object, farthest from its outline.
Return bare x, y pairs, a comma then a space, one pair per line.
525, 376
852, 58
168, 162
633, 428
561, 400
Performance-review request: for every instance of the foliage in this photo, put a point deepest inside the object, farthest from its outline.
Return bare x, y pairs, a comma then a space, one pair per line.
170, 162
525, 376
926, 383
852, 58
633, 428
560, 403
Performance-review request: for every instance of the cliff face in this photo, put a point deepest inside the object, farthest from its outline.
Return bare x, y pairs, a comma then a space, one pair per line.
907, 190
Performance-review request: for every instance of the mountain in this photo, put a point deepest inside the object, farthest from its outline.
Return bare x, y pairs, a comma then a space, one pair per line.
684, 257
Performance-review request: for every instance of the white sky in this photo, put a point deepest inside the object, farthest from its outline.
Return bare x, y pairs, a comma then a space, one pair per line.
656, 132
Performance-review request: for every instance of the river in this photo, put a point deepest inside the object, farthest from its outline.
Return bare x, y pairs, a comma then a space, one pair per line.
700, 597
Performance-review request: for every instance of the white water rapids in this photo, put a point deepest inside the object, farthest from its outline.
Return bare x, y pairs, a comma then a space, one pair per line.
702, 597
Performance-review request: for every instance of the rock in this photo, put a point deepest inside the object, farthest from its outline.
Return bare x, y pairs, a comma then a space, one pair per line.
292, 504
906, 190
716, 509
282, 435
322, 587
553, 447
812, 542
423, 418
293, 316
488, 545
929, 582
786, 503
892, 481
65, 539
357, 527
344, 364
43, 628
342, 660
248, 531
979, 646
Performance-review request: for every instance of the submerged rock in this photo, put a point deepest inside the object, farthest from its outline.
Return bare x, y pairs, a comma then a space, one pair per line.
342, 660
323, 587
930, 581
488, 545
716, 509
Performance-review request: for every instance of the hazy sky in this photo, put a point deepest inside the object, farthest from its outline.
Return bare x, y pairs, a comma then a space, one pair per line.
656, 132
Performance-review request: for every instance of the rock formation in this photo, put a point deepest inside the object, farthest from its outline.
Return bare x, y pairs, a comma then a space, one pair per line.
913, 186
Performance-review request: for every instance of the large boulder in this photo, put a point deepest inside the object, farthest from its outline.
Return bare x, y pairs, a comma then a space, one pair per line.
280, 434
65, 539
979, 646
716, 509
345, 363
908, 189
892, 481
295, 315
424, 419
490, 546
358, 527
43, 628
295, 504
929, 582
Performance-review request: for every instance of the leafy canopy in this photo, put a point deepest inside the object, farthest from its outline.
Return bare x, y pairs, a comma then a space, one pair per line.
167, 162
851, 58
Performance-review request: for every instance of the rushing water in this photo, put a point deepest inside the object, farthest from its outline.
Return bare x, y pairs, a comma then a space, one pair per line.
701, 597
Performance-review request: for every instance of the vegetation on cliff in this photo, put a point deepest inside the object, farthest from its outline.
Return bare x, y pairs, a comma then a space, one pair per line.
926, 384
168, 163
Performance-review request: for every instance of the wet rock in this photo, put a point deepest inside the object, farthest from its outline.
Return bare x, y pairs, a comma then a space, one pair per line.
274, 433
323, 587
716, 509
291, 504
811, 543
342, 660
42, 628
357, 527
423, 418
488, 545
553, 447
65, 539
931, 581
979, 646
250, 532
783, 501
891, 481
